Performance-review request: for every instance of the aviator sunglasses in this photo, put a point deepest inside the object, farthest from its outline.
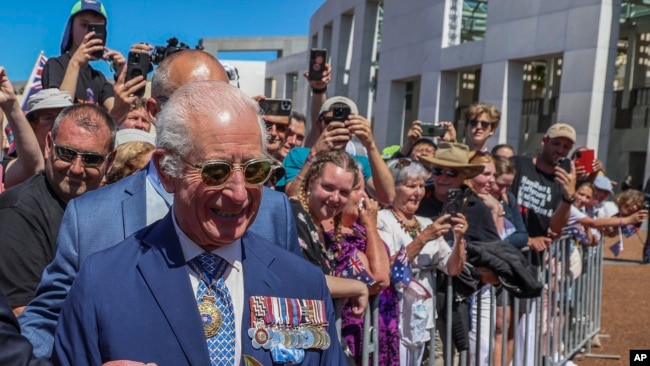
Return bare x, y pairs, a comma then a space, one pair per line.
450, 172
89, 160
217, 173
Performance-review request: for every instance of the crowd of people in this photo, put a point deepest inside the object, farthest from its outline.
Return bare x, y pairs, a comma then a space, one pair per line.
194, 227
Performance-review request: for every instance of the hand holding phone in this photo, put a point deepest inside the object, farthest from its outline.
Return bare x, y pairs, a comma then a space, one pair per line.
137, 64
585, 159
317, 59
564, 163
100, 33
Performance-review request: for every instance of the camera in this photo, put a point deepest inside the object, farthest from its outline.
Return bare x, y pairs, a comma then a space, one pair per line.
160, 52
340, 113
433, 129
564, 163
454, 202
137, 64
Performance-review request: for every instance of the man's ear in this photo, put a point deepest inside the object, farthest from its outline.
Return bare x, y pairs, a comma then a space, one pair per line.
49, 142
153, 107
165, 179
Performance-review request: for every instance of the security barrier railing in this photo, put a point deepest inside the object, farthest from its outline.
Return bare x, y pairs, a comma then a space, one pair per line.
544, 331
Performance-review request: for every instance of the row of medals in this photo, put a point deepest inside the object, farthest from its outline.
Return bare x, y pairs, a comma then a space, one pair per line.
306, 336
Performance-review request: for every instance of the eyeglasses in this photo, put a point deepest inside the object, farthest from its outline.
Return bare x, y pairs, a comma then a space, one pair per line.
216, 173
280, 127
484, 124
451, 173
68, 155
404, 162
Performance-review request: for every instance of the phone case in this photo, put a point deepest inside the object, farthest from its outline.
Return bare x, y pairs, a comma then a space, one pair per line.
317, 58
586, 160
100, 33
276, 107
137, 65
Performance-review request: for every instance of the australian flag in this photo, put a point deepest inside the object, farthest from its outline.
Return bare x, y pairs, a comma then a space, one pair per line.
400, 272
32, 87
355, 270
578, 232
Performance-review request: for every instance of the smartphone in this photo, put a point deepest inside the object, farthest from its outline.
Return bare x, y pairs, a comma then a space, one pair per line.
433, 129
276, 107
340, 113
455, 202
564, 163
317, 59
137, 64
646, 201
100, 33
585, 159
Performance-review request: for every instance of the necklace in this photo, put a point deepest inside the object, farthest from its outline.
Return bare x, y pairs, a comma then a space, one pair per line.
412, 229
210, 313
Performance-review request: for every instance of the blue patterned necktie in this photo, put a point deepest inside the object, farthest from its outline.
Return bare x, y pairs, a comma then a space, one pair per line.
222, 345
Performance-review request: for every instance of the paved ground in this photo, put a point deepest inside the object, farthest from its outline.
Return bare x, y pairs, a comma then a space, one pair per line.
626, 305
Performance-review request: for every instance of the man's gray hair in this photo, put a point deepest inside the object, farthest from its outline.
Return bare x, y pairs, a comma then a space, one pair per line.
199, 99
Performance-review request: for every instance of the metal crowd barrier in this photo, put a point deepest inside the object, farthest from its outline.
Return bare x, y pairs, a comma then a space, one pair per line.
545, 331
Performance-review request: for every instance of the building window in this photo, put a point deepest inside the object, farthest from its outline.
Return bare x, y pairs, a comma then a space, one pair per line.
473, 20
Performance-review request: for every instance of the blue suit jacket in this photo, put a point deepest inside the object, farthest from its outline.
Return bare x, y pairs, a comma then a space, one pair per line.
15, 350
102, 218
135, 301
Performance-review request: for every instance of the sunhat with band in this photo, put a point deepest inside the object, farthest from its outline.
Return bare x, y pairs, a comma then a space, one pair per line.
454, 155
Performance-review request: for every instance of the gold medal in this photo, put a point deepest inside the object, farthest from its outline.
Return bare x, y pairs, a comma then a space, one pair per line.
210, 316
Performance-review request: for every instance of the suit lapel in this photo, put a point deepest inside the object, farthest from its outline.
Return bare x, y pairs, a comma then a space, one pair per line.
164, 271
258, 280
134, 207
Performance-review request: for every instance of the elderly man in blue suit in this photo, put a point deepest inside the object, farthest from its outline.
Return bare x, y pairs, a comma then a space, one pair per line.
156, 298
105, 218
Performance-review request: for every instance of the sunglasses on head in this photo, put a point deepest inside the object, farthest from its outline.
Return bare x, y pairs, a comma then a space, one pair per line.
484, 124
280, 127
217, 173
451, 173
68, 155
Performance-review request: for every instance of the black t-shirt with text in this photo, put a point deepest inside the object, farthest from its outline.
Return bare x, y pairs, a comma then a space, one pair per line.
537, 193
92, 86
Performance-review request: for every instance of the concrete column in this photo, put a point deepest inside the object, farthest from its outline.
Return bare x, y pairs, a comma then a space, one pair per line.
502, 85
365, 26
588, 72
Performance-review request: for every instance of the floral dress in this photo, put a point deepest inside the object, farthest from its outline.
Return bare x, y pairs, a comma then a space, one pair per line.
352, 327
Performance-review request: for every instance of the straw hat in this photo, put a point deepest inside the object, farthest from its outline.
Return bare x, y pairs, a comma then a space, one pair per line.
454, 155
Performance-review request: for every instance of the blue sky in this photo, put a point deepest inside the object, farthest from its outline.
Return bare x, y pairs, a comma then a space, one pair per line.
27, 27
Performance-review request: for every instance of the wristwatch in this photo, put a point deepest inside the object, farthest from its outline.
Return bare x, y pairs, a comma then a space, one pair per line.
570, 200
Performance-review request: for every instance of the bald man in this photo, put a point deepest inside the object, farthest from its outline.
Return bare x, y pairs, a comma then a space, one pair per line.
95, 222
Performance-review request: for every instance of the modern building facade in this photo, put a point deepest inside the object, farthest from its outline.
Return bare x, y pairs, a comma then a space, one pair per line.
583, 62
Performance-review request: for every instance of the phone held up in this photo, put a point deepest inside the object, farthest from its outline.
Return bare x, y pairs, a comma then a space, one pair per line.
100, 33
455, 202
564, 163
137, 64
317, 59
277, 107
585, 159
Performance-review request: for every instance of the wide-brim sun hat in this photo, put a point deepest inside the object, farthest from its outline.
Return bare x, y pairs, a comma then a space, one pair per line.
454, 155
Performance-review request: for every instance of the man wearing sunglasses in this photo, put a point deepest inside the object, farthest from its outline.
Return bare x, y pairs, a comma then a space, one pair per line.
450, 168
142, 295
482, 120
78, 153
104, 218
